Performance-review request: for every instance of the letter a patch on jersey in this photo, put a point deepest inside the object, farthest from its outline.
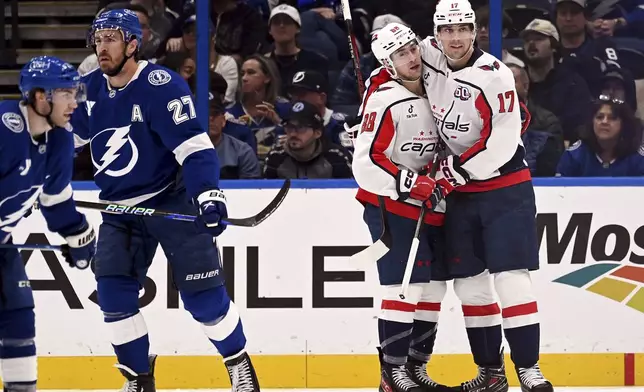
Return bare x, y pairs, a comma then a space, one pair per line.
136, 114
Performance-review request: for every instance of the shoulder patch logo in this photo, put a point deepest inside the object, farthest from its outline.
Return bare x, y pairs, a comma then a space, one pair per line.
574, 146
159, 77
490, 67
13, 121
338, 116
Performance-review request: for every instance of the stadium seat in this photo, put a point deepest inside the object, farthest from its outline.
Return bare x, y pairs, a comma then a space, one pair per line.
514, 46
523, 12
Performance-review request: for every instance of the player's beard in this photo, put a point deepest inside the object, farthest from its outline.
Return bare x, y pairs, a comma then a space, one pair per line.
114, 71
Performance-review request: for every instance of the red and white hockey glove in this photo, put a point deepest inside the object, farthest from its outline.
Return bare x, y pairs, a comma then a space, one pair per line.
410, 185
449, 175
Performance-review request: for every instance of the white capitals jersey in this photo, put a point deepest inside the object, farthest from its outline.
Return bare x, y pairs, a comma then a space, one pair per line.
478, 115
397, 132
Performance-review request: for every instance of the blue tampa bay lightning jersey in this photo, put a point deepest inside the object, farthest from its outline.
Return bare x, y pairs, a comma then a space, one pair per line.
33, 170
141, 134
580, 161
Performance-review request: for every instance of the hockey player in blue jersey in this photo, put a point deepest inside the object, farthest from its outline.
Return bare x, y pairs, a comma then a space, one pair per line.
36, 163
149, 150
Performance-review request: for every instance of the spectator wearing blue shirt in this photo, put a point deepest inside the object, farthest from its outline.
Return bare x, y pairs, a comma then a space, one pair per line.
610, 147
259, 105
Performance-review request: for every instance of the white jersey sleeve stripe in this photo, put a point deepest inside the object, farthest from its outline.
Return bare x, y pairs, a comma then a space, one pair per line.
51, 200
196, 143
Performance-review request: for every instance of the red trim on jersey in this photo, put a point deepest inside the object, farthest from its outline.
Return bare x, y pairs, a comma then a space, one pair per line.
525, 122
430, 306
520, 310
384, 135
388, 304
486, 116
374, 81
499, 182
401, 209
480, 310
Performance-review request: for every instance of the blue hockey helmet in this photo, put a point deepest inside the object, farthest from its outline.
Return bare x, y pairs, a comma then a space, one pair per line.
123, 20
48, 73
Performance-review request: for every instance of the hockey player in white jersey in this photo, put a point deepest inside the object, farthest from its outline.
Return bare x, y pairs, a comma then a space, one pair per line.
490, 220
36, 164
396, 142
490, 224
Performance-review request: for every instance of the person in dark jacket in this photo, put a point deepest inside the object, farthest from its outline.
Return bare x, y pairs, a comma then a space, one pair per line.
305, 154
543, 140
553, 86
611, 145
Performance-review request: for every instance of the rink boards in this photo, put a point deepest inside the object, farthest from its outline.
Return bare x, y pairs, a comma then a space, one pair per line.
310, 315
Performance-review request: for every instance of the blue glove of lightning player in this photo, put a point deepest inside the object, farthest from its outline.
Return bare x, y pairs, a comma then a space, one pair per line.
212, 210
81, 246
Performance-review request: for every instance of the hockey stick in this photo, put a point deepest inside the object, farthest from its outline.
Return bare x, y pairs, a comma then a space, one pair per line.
415, 242
353, 45
30, 246
251, 221
382, 245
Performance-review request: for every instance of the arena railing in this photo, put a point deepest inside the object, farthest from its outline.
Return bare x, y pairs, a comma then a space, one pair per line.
9, 54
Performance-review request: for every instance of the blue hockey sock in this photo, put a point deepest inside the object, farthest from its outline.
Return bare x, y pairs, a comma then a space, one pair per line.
423, 337
118, 297
18, 349
483, 326
219, 319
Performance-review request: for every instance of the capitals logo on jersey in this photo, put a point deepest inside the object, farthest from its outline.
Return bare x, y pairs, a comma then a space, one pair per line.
118, 153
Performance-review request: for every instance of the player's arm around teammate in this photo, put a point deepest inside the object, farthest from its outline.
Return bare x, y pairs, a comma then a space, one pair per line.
490, 220
397, 139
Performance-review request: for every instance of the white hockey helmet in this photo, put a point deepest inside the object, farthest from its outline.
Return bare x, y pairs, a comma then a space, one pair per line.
389, 39
450, 12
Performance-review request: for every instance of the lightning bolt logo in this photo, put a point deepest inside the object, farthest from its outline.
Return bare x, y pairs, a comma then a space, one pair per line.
119, 138
13, 217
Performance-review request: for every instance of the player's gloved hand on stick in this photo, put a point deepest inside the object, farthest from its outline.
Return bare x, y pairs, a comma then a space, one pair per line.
81, 246
415, 186
212, 210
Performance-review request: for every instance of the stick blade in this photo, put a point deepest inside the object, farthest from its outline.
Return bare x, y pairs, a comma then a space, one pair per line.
266, 212
370, 254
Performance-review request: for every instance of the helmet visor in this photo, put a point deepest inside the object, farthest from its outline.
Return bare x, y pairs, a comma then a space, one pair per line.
104, 35
410, 52
67, 96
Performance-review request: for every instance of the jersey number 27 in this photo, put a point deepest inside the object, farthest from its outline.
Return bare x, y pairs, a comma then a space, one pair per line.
176, 106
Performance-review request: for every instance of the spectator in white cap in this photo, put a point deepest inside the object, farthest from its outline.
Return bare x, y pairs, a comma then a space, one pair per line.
554, 86
284, 26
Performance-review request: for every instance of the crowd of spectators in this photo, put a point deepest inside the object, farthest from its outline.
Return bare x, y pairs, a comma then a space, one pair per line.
282, 83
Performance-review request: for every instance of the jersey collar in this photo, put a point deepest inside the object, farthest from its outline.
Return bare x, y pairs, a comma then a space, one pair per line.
142, 64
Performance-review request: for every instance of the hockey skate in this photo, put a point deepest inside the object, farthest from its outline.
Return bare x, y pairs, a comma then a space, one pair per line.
242, 373
19, 387
488, 379
395, 378
418, 373
138, 382
532, 380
